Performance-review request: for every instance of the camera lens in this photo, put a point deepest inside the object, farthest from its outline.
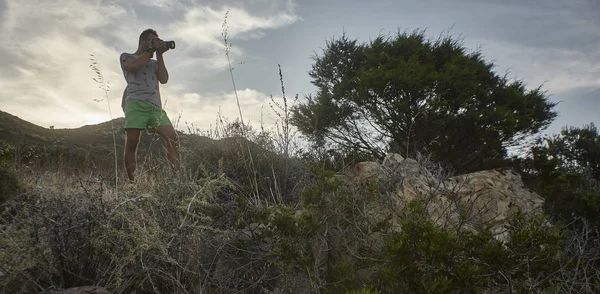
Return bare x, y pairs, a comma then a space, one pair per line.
170, 44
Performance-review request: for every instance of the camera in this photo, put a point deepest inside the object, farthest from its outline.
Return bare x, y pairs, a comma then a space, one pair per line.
170, 44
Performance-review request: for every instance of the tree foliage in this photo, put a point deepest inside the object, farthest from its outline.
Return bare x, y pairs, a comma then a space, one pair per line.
408, 94
577, 150
565, 169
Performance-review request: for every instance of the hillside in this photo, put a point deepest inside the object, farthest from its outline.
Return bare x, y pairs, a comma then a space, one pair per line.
92, 145
239, 218
15, 130
97, 137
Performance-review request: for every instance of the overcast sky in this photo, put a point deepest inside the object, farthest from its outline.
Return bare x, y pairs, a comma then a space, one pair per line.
46, 45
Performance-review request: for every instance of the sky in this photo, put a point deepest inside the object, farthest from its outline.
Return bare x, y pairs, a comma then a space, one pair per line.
45, 74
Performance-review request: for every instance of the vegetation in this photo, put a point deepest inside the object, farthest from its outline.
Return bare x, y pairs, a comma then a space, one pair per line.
565, 169
418, 95
176, 234
251, 212
9, 183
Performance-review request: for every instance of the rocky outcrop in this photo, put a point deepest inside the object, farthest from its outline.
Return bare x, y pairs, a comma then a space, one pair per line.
380, 192
483, 200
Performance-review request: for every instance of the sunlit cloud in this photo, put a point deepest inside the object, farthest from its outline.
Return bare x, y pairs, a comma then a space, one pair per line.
47, 47
203, 110
45, 76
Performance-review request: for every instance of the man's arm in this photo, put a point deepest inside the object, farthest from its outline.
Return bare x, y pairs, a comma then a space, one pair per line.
163, 74
123, 99
133, 64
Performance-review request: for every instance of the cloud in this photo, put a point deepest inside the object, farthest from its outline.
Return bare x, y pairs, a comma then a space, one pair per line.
553, 42
163, 4
47, 79
201, 30
553, 25
577, 107
550, 42
44, 61
202, 110
555, 69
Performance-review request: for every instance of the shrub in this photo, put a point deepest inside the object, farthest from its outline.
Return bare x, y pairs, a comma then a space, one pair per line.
258, 172
168, 235
7, 153
425, 258
9, 184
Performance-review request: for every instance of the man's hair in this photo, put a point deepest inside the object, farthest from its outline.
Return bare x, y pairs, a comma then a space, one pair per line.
144, 35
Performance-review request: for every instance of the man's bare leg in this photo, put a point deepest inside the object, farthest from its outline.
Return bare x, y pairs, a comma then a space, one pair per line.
171, 138
132, 140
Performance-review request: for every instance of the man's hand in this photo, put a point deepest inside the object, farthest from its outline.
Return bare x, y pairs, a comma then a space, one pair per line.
163, 74
148, 46
160, 46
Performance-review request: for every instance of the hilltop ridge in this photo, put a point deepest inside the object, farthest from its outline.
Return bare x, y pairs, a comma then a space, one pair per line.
19, 131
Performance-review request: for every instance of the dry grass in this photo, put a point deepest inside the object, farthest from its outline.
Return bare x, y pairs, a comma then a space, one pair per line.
198, 232
170, 233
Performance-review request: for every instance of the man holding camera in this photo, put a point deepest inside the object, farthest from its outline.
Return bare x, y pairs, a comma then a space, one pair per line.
141, 99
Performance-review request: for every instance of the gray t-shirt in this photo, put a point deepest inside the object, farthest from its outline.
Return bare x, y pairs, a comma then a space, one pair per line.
143, 83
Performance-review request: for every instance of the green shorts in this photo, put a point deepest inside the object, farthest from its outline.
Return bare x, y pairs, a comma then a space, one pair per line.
140, 114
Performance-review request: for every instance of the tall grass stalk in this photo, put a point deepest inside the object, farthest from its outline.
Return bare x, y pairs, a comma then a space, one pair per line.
104, 85
251, 167
227, 51
283, 136
283, 130
283, 112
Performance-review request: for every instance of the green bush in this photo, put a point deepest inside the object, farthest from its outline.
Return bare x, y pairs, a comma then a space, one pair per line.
427, 259
424, 258
258, 171
9, 183
565, 169
7, 153
571, 194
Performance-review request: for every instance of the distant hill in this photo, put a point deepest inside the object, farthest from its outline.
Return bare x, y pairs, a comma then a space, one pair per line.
98, 139
17, 131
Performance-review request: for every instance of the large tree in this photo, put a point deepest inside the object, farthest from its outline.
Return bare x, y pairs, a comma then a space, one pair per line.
407, 94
